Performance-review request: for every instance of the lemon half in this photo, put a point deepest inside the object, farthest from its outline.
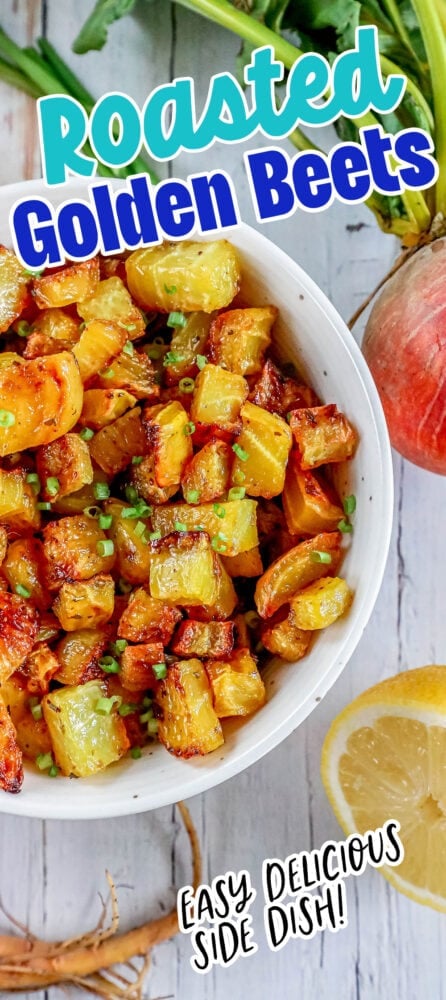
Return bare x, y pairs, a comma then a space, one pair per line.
384, 757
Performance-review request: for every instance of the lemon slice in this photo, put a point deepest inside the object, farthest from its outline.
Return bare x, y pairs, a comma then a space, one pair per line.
383, 758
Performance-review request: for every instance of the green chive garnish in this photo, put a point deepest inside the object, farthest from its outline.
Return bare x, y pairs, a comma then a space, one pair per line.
240, 452
7, 419
44, 761
44, 505
218, 542
86, 434
172, 358
189, 428
52, 485
128, 347
109, 665
139, 529
176, 319
131, 494
53, 771
345, 526
186, 385
105, 705
36, 712
136, 460
108, 373
34, 480
119, 646
239, 476
23, 329
127, 708
105, 521
180, 526
192, 496
320, 557
200, 361
219, 510
160, 671
154, 536
152, 727
349, 504
94, 512
22, 591
101, 491
105, 547
124, 587
136, 753
236, 493
170, 290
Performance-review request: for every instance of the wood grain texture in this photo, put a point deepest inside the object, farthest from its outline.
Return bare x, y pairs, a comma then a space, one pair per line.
51, 873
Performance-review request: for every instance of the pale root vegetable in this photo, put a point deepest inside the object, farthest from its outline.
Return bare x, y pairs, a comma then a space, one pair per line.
85, 739
405, 347
186, 276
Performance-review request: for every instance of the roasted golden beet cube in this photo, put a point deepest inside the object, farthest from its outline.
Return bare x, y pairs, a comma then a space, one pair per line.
183, 569
72, 549
261, 451
103, 406
40, 667
69, 285
64, 466
247, 564
44, 397
310, 504
167, 432
76, 503
237, 687
113, 447
56, 325
131, 549
85, 740
321, 603
323, 435
296, 569
33, 736
278, 393
210, 640
24, 569
79, 653
133, 372
11, 766
85, 604
147, 620
13, 288
3, 543
232, 523
186, 276
283, 638
99, 342
18, 502
19, 625
111, 301
218, 397
187, 722
142, 477
206, 476
226, 599
239, 338
136, 666
187, 341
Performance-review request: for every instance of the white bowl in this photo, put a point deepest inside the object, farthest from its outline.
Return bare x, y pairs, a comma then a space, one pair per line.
313, 335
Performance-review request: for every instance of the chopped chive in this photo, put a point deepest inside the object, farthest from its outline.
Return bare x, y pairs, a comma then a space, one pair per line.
180, 526
320, 557
7, 419
252, 619
105, 521
109, 665
52, 485
86, 434
189, 428
101, 491
44, 761
154, 353
109, 373
44, 505
218, 542
128, 347
160, 671
154, 536
119, 646
104, 705
152, 727
23, 329
136, 460
82, 326
139, 529
93, 512
345, 526
288, 416
175, 319
170, 290
200, 527
34, 480
236, 493
147, 701
172, 358
131, 494
146, 716
201, 361
33, 274
124, 587
349, 504
239, 476
127, 708
141, 509
136, 753
36, 712
105, 547
219, 510
186, 385
192, 496
22, 591
53, 771
240, 452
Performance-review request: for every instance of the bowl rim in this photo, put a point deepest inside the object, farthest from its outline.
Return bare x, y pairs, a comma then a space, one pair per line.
197, 781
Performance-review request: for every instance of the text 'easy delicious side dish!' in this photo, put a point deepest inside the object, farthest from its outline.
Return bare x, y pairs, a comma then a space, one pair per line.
167, 518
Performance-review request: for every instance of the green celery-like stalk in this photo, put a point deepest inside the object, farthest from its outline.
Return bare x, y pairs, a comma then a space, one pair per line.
435, 44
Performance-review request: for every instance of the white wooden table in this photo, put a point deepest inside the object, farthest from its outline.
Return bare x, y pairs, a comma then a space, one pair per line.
50, 872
